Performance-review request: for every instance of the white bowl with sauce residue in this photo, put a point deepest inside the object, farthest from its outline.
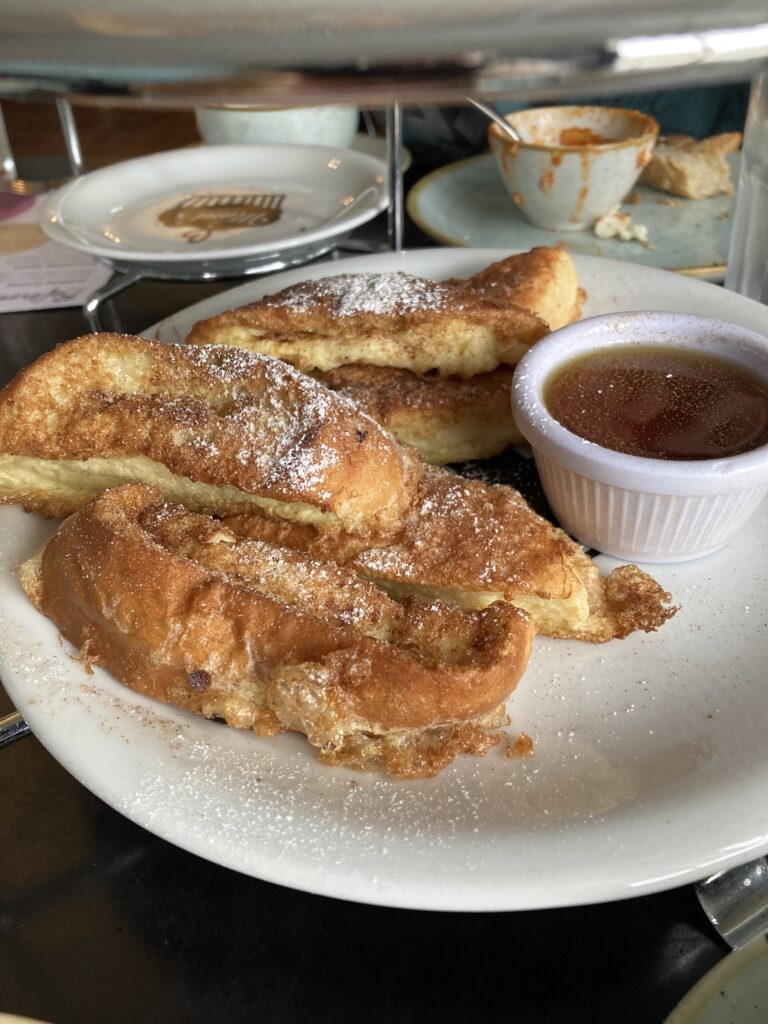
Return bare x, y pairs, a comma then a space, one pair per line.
574, 164
680, 394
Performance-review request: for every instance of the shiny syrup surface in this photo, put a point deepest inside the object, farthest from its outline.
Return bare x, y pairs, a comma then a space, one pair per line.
660, 402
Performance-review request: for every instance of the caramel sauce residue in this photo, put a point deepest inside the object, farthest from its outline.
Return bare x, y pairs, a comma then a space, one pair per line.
547, 181
582, 198
582, 137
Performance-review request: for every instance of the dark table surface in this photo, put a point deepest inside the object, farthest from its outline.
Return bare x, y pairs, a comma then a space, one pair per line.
101, 921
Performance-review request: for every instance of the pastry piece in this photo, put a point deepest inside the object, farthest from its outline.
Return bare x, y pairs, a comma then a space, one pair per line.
217, 428
472, 544
391, 319
181, 609
452, 419
330, 328
694, 169
448, 419
543, 280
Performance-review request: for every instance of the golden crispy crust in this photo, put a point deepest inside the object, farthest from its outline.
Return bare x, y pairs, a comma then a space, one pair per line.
394, 320
471, 543
452, 419
226, 427
449, 416
543, 280
448, 419
694, 169
178, 607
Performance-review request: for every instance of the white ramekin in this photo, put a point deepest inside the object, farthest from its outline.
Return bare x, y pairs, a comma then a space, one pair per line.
639, 509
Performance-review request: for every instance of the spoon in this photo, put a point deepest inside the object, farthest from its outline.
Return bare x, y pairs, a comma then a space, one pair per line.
500, 121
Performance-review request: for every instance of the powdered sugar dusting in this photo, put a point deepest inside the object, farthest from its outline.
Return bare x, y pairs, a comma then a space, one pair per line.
460, 531
279, 430
354, 294
489, 834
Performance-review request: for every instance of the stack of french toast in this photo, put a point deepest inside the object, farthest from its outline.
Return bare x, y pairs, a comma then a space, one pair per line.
243, 538
430, 361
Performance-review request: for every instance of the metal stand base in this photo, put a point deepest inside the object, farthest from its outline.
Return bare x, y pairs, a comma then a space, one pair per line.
12, 728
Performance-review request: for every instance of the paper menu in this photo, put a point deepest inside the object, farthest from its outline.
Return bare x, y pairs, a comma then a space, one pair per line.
36, 273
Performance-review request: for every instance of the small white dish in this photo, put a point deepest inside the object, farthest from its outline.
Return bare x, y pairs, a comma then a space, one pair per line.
573, 164
215, 203
631, 507
329, 125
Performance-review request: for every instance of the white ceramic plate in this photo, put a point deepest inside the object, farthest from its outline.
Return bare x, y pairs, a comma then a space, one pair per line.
735, 991
11, 1018
465, 203
651, 753
217, 202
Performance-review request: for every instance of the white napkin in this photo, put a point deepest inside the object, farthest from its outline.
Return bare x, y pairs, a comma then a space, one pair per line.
36, 273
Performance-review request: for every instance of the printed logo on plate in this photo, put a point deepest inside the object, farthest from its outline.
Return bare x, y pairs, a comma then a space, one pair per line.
203, 214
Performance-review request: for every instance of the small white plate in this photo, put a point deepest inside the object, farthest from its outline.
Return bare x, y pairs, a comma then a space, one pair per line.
466, 204
650, 761
217, 203
735, 991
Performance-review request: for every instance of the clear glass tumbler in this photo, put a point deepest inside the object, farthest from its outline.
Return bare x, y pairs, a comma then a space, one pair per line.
747, 271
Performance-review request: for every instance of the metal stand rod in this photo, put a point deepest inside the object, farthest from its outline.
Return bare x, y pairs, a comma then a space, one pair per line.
12, 728
395, 155
114, 286
368, 122
71, 139
8, 170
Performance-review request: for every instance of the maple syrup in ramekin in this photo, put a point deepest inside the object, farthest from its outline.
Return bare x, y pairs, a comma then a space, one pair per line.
660, 402
649, 429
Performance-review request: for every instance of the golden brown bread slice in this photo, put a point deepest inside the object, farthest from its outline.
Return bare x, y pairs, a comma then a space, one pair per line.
181, 609
447, 419
472, 544
447, 416
217, 428
452, 419
694, 169
543, 280
389, 319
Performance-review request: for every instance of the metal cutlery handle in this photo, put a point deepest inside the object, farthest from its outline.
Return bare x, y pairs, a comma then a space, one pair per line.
502, 122
12, 728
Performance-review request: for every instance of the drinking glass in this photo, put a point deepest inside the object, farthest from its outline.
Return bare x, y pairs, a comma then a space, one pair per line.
747, 271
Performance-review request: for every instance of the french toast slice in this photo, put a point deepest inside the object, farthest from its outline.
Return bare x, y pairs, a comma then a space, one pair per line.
448, 416
387, 319
216, 428
543, 279
472, 544
447, 419
453, 419
179, 608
